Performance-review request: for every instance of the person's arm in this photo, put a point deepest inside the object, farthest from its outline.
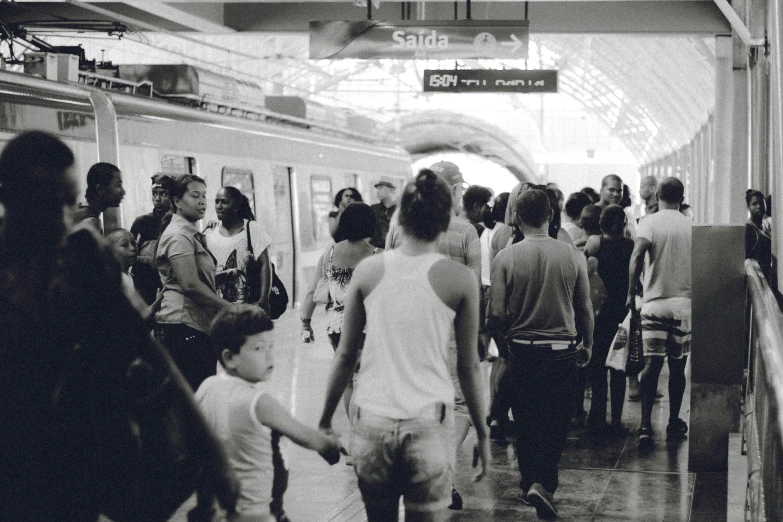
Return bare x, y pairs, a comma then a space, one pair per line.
271, 414
184, 268
472, 247
496, 318
583, 311
155, 306
348, 350
308, 305
592, 246
630, 226
334, 221
493, 251
260, 242
220, 277
635, 267
466, 331
266, 279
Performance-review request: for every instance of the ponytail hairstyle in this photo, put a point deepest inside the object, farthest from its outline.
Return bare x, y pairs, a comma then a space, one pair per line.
177, 190
556, 222
99, 174
425, 206
242, 203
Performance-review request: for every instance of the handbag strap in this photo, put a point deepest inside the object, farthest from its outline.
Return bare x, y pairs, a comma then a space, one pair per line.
249, 243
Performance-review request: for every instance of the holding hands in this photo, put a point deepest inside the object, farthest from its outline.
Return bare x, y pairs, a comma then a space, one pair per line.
332, 450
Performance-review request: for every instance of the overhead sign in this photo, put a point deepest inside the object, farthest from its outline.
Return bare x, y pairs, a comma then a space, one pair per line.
492, 80
373, 39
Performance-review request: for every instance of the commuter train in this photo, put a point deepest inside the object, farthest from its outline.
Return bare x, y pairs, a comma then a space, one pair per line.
289, 166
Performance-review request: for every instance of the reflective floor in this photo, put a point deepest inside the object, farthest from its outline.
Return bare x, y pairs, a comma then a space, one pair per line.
600, 479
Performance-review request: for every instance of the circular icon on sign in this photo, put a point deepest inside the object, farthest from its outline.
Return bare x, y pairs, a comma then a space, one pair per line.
484, 40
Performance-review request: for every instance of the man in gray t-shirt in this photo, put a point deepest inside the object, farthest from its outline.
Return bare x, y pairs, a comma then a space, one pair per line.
539, 299
664, 238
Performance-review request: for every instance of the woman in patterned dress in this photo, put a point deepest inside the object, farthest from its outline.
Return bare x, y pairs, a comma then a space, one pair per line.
357, 226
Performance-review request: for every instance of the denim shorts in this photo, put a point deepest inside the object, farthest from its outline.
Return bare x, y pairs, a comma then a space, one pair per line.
411, 458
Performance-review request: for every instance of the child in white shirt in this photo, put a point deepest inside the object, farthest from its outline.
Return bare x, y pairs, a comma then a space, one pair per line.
243, 415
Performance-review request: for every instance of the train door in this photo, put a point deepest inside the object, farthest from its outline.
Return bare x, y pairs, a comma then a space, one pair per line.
285, 253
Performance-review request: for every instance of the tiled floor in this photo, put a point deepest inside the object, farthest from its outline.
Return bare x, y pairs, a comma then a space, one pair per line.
600, 480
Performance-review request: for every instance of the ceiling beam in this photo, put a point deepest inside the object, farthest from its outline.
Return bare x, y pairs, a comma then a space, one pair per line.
164, 10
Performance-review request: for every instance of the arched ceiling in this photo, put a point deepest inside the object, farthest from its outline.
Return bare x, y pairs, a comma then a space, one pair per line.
652, 92
431, 132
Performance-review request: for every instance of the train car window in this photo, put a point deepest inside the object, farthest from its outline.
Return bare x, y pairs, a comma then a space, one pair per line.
173, 164
241, 179
321, 198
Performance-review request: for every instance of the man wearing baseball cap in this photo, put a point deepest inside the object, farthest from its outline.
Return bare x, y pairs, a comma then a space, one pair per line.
384, 210
461, 244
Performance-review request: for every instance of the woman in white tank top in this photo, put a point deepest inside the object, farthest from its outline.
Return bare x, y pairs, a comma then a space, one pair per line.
408, 299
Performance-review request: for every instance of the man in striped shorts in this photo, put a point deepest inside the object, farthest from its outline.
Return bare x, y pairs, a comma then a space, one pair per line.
666, 305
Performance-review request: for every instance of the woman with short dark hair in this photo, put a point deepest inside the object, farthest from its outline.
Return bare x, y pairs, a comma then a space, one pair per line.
342, 199
337, 263
187, 269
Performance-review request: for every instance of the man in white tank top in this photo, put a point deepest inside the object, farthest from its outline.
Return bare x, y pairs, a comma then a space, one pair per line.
539, 299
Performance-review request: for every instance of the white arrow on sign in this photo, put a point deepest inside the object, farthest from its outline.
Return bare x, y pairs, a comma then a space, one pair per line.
515, 44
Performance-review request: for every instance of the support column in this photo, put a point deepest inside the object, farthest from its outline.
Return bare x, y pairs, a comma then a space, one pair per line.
740, 142
720, 186
718, 343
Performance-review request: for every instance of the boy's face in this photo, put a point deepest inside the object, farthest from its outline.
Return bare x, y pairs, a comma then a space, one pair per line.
255, 361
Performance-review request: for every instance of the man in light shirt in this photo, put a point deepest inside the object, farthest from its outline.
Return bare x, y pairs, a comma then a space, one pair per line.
663, 250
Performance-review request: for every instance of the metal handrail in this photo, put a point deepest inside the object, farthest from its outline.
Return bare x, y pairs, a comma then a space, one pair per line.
764, 399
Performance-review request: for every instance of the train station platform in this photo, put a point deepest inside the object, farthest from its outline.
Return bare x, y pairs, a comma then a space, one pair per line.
600, 479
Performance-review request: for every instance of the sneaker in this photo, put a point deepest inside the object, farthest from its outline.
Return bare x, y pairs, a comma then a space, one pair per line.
541, 499
645, 438
676, 429
456, 500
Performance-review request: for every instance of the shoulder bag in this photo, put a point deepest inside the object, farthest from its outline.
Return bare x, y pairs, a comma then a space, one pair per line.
278, 295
